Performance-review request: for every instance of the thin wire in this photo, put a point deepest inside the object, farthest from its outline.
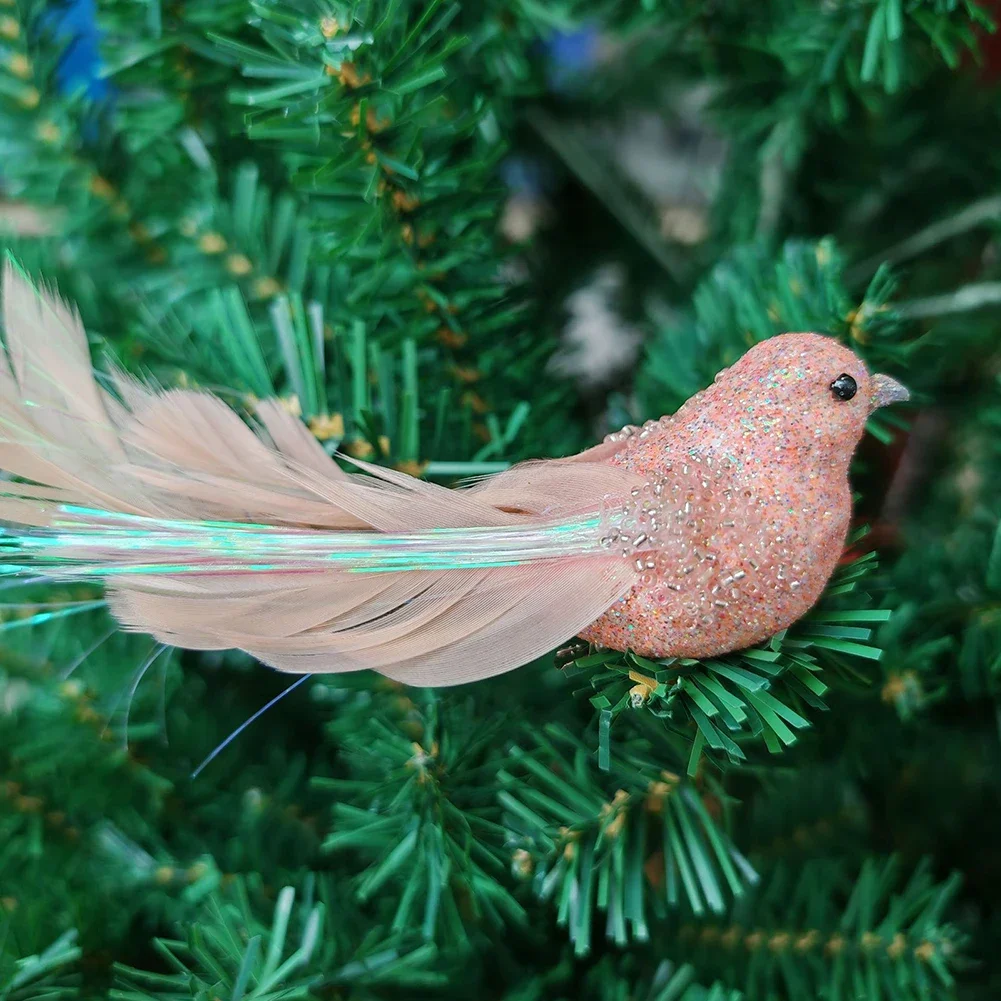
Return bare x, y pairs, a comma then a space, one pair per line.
243, 726
151, 660
164, 667
76, 663
61, 612
133, 688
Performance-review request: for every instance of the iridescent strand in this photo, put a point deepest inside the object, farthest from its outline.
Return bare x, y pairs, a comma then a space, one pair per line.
87, 543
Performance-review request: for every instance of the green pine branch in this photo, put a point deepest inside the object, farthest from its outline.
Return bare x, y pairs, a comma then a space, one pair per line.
48, 975
823, 932
632, 853
798, 813
301, 946
759, 695
668, 982
415, 812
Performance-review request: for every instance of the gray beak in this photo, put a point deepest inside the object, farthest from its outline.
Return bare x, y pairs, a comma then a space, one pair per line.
886, 391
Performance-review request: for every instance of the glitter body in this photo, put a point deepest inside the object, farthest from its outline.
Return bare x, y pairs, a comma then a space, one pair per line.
747, 503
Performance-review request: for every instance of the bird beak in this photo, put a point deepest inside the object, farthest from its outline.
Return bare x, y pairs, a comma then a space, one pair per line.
886, 391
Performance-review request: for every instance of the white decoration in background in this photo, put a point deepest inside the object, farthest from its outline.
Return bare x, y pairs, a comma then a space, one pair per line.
598, 342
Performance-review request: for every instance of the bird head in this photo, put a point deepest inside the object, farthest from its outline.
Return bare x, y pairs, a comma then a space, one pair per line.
803, 394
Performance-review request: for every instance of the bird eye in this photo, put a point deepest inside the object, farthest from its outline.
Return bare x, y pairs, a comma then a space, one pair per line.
844, 387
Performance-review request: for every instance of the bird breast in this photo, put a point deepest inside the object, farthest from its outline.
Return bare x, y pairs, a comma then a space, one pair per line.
729, 548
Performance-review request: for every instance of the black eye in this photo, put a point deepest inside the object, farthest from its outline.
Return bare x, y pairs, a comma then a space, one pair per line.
844, 387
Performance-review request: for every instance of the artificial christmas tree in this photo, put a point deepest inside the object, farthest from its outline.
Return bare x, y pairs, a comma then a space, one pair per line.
313, 201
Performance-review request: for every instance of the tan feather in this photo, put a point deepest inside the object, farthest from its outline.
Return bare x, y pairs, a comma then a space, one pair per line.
293, 441
185, 456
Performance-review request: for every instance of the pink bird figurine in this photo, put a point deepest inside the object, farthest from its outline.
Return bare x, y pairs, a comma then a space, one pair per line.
703, 532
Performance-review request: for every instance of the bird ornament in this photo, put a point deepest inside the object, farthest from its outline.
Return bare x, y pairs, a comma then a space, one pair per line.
702, 532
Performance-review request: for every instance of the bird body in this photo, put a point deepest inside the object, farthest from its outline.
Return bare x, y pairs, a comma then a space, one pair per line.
703, 532
749, 499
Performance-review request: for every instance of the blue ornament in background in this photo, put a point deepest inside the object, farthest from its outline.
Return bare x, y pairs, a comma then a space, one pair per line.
524, 176
75, 25
572, 54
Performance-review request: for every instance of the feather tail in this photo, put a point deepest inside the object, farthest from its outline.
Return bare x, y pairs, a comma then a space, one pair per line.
211, 534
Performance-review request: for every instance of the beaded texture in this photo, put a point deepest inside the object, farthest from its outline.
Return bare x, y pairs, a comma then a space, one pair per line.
746, 505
